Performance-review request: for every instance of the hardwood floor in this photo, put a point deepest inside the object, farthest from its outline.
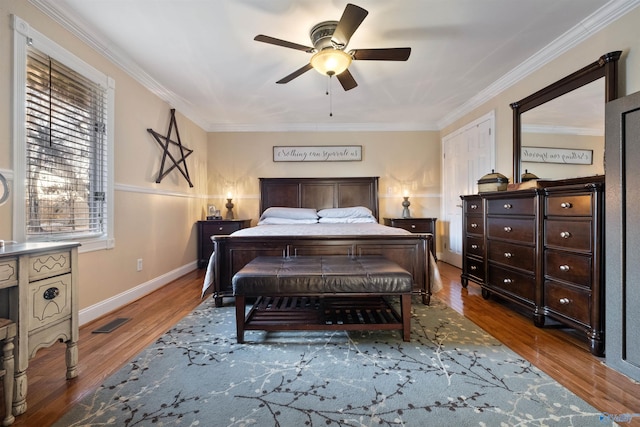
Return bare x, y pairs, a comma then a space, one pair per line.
559, 353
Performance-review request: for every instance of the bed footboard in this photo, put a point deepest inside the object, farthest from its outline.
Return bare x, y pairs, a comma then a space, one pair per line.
411, 252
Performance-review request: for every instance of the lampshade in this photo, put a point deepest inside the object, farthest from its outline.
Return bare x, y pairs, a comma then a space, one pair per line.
330, 61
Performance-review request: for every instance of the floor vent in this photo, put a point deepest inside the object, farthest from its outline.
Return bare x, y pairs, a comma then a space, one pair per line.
111, 326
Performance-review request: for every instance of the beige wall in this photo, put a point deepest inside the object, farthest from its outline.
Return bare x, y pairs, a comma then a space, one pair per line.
154, 222
402, 160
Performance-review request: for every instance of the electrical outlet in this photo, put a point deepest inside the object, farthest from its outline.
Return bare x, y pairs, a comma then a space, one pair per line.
139, 264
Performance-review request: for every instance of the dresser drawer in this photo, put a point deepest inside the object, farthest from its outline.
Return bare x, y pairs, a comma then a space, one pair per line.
475, 268
50, 301
515, 206
518, 284
514, 229
513, 255
414, 226
8, 272
222, 228
569, 205
475, 246
473, 206
570, 267
475, 225
568, 301
49, 264
575, 235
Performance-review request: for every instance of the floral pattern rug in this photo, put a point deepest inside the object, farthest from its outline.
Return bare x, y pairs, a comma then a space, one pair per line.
452, 373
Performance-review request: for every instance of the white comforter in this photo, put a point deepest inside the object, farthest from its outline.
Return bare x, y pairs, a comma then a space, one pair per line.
319, 229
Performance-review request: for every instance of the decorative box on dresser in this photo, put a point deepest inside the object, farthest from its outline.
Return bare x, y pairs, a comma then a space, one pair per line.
212, 227
573, 291
542, 249
416, 225
472, 240
39, 292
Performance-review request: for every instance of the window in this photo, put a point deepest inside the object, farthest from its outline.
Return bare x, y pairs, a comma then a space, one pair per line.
65, 151
63, 145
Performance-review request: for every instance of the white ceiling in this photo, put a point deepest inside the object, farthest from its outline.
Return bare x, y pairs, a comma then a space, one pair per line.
200, 56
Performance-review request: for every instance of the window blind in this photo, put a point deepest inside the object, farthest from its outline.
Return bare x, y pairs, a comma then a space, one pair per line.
65, 143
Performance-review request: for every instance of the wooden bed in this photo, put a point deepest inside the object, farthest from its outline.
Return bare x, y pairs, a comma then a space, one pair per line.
231, 253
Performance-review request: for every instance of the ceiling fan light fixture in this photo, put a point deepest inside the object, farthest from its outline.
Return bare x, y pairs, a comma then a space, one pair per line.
331, 61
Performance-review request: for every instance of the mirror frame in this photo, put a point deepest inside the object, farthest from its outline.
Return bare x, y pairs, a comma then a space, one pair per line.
606, 66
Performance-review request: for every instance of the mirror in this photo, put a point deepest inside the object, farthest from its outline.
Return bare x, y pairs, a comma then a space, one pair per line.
558, 132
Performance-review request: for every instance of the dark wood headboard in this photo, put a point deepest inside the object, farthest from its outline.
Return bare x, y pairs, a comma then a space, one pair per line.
319, 193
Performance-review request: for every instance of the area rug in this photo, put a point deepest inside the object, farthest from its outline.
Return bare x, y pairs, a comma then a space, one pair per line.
452, 373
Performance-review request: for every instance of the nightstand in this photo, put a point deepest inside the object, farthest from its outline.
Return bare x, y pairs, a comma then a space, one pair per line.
416, 225
218, 227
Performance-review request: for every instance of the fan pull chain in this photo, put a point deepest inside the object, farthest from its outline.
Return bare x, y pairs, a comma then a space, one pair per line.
330, 96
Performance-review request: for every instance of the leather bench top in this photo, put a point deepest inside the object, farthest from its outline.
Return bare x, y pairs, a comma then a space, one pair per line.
306, 275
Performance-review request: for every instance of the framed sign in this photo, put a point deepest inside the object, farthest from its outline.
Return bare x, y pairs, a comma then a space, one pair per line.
570, 156
322, 153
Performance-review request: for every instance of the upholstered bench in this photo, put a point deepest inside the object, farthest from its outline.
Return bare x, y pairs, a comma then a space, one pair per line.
322, 293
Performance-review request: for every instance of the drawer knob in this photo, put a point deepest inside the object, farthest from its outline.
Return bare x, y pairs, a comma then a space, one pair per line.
508, 205
507, 281
474, 206
508, 255
564, 301
413, 226
565, 234
564, 268
566, 205
507, 229
51, 293
473, 268
474, 225
474, 246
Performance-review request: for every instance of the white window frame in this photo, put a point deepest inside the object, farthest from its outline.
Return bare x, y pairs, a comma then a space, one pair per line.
23, 36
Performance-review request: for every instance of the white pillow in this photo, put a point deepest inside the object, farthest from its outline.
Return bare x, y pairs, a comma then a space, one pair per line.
278, 221
290, 213
352, 212
347, 220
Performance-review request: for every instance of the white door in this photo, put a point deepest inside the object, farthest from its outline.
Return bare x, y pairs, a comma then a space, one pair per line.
468, 154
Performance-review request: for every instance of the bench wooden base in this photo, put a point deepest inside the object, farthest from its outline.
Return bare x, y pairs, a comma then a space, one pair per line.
323, 292
304, 313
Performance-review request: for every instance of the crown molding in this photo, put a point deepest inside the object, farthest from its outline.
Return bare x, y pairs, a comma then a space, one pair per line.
63, 17
574, 36
583, 30
324, 127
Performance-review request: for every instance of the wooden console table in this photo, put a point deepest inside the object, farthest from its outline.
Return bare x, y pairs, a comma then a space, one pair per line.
39, 292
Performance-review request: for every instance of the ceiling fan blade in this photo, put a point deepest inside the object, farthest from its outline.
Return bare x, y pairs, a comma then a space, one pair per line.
295, 74
346, 80
391, 54
283, 43
351, 19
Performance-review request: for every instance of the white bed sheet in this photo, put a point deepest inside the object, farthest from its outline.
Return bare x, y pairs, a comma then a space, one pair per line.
324, 230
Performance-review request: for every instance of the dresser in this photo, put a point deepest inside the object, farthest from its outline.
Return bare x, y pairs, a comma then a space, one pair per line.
416, 225
512, 245
573, 288
541, 248
472, 240
39, 291
220, 227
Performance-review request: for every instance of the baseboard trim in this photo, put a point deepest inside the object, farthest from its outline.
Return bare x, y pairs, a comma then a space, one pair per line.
95, 311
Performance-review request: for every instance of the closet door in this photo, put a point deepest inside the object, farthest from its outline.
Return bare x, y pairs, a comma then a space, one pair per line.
468, 154
622, 241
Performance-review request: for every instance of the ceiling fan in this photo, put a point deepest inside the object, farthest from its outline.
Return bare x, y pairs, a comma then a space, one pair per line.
329, 39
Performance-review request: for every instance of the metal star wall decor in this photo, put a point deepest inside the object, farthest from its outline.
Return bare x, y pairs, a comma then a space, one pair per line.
166, 142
